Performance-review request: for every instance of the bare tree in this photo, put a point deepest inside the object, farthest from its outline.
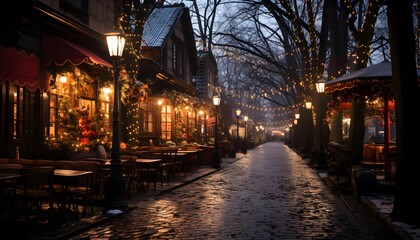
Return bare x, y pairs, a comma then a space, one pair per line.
205, 15
362, 26
289, 42
280, 48
407, 92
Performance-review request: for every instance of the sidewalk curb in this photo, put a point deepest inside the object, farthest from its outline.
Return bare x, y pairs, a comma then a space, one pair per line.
183, 183
385, 220
369, 208
104, 217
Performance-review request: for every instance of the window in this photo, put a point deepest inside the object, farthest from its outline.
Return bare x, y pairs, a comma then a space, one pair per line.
174, 57
88, 105
177, 59
78, 8
52, 131
166, 122
18, 110
147, 119
105, 109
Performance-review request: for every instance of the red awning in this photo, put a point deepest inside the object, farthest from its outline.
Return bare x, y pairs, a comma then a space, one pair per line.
59, 51
21, 68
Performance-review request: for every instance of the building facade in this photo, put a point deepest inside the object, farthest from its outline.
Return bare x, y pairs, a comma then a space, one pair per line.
56, 79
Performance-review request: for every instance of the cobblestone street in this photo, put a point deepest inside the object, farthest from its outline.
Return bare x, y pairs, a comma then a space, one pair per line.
270, 193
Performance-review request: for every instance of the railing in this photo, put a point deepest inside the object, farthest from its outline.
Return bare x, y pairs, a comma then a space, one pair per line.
339, 158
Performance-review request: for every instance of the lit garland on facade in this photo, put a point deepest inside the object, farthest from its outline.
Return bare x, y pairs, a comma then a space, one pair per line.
132, 20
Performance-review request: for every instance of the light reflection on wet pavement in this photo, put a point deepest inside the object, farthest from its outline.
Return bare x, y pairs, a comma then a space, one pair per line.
269, 194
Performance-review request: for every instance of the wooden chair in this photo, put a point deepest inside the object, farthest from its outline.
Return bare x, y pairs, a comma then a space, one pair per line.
37, 190
101, 177
11, 168
4, 160
63, 164
24, 162
170, 162
130, 173
59, 193
84, 188
149, 172
8, 187
42, 162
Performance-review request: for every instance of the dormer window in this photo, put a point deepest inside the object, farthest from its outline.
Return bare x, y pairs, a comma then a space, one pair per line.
177, 59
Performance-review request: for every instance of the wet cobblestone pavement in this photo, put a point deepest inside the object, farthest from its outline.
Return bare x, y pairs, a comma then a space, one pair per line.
271, 193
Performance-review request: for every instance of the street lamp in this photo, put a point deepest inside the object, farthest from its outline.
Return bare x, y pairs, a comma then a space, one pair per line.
187, 109
308, 105
245, 120
320, 88
216, 163
160, 112
307, 119
116, 183
297, 131
238, 114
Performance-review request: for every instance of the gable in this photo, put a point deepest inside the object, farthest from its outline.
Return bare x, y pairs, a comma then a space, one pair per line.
159, 25
166, 22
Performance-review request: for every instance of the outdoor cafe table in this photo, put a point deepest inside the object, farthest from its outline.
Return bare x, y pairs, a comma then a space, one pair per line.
145, 163
67, 178
150, 167
192, 157
378, 150
182, 157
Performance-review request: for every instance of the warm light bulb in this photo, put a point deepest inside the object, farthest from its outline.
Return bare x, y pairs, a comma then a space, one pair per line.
63, 79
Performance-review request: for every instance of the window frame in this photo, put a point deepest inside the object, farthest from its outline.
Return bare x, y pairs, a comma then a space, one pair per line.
166, 122
18, 106
177, 58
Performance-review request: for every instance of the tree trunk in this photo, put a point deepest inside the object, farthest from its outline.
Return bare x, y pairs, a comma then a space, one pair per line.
337, 127
357, 129
407, 94
339, 39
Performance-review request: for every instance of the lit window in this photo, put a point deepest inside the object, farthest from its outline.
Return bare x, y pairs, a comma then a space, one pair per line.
166, 122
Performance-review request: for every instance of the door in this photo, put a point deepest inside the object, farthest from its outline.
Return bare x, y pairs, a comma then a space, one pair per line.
20, 115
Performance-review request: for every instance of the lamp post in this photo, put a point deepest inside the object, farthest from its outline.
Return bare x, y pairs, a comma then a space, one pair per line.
116, 183
238, 114
307, 119
187, 109
308, 105
245, 120
160, 111
200, 113
216, 163
297, 131
320, 88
